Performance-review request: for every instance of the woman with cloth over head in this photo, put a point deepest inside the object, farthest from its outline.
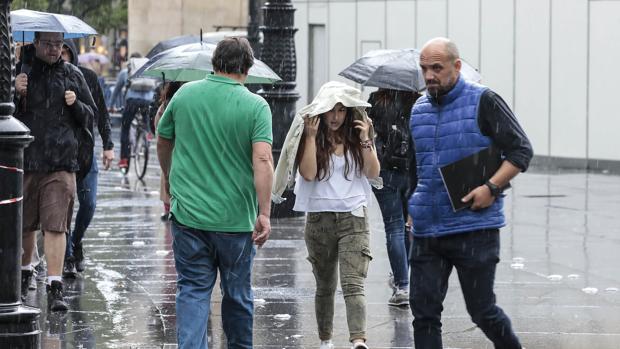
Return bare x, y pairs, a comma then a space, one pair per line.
335, 158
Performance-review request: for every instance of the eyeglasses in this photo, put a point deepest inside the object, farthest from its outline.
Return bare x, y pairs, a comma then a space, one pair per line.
51, 44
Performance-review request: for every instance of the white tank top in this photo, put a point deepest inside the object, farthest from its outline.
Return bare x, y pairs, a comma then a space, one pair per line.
334, 193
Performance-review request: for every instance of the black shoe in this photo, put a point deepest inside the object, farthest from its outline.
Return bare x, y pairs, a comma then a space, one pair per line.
78, 258
27, 276
69, 270
55, 299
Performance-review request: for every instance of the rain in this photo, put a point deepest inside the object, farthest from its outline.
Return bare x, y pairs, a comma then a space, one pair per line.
126, 296
557, 276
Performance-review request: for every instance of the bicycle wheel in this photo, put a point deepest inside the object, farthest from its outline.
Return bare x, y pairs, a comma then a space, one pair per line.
133, 130
141, 154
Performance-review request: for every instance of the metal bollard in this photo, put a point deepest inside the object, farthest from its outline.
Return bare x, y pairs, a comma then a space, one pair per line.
278, 52
19, 327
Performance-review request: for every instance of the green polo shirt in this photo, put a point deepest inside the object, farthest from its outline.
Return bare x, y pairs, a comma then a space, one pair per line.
214, 123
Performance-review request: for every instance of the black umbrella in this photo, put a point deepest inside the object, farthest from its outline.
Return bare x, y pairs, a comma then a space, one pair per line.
173, 42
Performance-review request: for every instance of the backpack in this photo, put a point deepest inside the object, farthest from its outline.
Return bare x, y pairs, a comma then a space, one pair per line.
86, 144
138, 84
394, 137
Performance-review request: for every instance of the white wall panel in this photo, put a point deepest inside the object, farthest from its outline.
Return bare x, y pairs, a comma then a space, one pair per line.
464, 28
569, 51
535, 53
317, 12
301, 50
342, 37
497, 58
531, 103
370, 25
604, 118
431, 20
400, 24
370, 32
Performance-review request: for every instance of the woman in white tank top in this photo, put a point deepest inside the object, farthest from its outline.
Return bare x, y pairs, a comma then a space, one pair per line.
336, 156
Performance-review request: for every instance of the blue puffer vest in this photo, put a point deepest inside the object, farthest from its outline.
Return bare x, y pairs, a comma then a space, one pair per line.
443, 134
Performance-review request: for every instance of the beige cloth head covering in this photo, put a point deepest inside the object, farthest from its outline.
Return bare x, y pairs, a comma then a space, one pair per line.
328, 96
332, 93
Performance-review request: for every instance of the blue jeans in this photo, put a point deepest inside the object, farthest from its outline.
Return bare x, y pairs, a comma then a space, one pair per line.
474, 255
87, 197
198, 256
392, 201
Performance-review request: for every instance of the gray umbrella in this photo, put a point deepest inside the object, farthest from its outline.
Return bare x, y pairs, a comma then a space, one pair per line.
395, 69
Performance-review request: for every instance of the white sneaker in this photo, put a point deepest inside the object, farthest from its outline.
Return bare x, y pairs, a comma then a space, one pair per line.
399, 298
359, 345
391, 282
327, 344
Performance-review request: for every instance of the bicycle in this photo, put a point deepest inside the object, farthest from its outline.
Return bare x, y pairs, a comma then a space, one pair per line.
139, 143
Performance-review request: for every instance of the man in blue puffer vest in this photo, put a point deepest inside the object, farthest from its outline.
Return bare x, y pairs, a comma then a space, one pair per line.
455, 119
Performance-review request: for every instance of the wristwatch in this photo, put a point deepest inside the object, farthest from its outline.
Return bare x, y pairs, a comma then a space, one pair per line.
496, 190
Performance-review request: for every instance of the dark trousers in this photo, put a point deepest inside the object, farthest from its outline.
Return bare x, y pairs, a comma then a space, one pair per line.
474, 255
392, 201
131, 108
87, 197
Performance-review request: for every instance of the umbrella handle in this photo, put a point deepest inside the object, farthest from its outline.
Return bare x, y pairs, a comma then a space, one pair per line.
25, 68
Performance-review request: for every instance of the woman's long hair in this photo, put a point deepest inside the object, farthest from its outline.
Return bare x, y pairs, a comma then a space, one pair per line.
169, 89
347, 135
386, 97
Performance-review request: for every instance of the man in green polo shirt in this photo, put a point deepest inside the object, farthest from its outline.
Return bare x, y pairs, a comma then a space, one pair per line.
215, 152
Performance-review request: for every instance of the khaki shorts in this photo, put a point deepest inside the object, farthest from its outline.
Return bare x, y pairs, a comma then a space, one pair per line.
47, 200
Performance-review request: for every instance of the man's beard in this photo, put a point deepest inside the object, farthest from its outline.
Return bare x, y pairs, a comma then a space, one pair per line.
441, 90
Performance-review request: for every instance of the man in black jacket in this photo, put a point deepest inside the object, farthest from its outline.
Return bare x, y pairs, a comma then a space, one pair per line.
53, 100
87, 186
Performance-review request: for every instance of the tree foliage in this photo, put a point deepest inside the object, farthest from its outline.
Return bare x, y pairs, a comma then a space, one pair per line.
102, 15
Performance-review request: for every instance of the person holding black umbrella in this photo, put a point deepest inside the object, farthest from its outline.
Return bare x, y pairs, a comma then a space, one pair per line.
390, 111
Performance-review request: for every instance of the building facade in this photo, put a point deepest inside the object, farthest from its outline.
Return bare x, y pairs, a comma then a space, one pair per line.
151, 21
551, 60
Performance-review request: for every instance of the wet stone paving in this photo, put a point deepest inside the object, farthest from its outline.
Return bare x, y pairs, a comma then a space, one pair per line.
558, 278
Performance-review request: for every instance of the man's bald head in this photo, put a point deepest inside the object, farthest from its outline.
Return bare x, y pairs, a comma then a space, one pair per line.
441, 65
443, 44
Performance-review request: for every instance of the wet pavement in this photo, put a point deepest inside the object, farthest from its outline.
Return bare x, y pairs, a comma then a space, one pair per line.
558, 278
